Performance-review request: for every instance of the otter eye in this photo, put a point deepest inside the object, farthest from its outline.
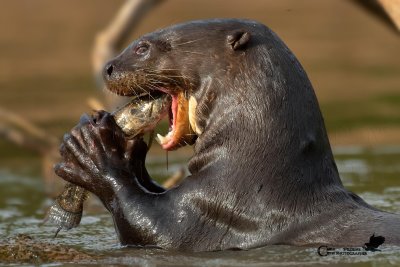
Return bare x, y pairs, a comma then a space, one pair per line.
142, 48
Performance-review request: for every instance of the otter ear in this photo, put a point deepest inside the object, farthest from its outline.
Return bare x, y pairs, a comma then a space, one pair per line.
238, 39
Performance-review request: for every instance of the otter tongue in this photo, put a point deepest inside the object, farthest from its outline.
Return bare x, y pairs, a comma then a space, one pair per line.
165, 140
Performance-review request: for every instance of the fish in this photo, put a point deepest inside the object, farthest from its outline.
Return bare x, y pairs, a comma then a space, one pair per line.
142, 115
137, 117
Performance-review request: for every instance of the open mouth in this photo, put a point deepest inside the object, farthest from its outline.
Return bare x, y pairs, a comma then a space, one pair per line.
180, 131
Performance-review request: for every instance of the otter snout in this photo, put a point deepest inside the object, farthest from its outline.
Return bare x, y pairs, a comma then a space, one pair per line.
117, 79
124, 81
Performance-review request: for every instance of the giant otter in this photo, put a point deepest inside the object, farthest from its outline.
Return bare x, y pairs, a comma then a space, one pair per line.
262, 172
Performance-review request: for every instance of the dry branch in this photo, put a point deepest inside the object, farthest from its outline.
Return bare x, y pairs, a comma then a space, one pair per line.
20, 131
392, 9
110, 40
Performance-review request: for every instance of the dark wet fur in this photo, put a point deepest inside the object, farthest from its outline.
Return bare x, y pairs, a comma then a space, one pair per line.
263, 171
134, 118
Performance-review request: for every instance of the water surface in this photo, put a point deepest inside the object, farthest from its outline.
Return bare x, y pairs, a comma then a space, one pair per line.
374, 174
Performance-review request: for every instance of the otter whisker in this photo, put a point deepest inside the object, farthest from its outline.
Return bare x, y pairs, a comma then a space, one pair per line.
193, 52
156, 82
186, 143
189, 42
152, 72
144, 90
134, 91
152, 86
167, 69
162, 76
175, 76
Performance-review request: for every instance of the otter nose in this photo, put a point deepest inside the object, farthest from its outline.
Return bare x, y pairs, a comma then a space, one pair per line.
108, 70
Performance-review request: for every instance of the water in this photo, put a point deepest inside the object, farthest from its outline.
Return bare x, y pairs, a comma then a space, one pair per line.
374, 174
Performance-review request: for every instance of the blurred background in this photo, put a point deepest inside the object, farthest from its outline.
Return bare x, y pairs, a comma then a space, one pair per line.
46, 77
46, 74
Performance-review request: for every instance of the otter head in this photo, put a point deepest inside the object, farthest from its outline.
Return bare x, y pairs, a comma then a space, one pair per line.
180, 61
239, 89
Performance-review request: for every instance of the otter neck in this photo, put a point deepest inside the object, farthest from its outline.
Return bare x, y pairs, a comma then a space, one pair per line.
250, 132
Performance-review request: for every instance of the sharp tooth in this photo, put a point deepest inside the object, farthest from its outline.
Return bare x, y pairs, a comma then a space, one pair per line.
158, 139
162, 139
